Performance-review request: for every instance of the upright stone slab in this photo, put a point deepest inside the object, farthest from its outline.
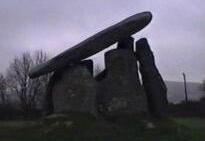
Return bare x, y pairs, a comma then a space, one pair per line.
74, 89
154, 85
126, 43
121, 92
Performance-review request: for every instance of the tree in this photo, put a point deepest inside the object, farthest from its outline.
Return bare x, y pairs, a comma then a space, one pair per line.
3, 98
40, 84
28, 91
203, 85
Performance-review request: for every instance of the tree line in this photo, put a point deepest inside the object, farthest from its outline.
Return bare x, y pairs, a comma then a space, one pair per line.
20, 95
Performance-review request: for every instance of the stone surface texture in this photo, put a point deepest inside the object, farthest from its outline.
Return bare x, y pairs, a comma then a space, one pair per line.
94, 44
116, 90
154, 85
74, 90
120, 92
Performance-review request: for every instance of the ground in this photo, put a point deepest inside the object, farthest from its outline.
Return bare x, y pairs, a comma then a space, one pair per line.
87, 128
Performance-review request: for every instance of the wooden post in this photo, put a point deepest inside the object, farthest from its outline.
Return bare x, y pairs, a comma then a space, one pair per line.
185, 88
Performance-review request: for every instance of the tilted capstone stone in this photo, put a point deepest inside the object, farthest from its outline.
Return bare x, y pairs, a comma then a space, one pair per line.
153, 83
94, 44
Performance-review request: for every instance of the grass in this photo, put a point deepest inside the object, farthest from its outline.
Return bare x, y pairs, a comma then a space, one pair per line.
191, 123
87, 128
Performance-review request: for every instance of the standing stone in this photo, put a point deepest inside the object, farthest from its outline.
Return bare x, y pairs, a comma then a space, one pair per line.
154, 85
102, 75
126, 43
73, 89
120, 91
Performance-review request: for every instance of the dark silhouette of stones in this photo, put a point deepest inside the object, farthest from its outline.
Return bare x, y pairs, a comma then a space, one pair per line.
126, 43
102, 75
154, 85
48, 101
94, 44
72, 89
116, 90
121, 92
88, 64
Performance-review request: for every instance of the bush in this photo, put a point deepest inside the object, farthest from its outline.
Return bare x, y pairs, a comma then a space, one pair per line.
190, 109
8, 112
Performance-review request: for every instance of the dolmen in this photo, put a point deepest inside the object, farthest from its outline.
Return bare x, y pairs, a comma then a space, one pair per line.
118, 89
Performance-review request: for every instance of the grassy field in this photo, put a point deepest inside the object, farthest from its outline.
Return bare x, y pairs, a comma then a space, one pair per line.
87, 128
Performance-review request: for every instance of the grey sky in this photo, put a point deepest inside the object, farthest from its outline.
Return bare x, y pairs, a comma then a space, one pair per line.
176, 34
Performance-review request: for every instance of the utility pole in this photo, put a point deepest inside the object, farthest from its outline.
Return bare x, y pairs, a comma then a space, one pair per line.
185, 88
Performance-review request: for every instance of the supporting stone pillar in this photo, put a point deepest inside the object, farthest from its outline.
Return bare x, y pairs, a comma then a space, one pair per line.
154, 85
121, 92
72, 89
127, 43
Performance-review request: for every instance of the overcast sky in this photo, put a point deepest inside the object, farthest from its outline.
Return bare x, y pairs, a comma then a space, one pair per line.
176, 33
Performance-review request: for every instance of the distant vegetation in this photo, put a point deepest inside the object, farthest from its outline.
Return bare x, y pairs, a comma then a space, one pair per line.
19, 95
189, 109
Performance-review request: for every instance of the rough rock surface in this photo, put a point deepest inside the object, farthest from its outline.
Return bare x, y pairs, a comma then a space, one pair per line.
94, 44
154, 85
74, 89
120, 92
126, 43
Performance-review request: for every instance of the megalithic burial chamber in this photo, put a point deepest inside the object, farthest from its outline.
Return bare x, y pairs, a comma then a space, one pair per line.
94, 44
